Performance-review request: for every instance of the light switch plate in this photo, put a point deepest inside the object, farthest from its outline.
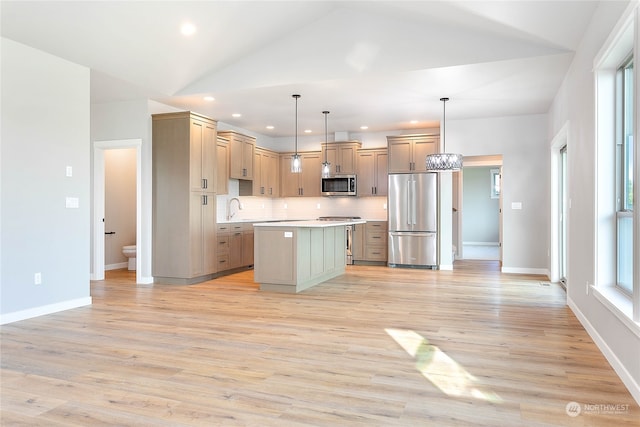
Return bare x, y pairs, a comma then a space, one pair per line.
72, 203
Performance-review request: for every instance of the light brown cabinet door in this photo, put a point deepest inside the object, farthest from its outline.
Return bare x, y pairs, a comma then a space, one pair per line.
347, 158
400, 158
366, 173
271, 173
381, 173
421, 149
222, 168
258, 183
247, 248
235, 249
289, 182
311, 173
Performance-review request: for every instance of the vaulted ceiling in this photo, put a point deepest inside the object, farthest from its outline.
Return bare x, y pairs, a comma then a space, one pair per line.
374, 63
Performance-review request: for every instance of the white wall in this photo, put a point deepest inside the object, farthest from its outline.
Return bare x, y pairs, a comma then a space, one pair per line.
480, 212
130, 120
575, 104
45, 129
522, 142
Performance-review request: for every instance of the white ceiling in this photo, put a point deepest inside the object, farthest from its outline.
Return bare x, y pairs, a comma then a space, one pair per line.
375, 63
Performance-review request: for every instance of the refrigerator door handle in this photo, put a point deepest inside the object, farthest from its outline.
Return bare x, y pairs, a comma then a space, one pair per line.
408, 205
413, 198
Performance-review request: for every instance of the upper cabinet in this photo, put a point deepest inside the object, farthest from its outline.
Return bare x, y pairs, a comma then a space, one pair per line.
265, 173
342, 156
241, 151
408, 153
222, 161
306, 183
372, 172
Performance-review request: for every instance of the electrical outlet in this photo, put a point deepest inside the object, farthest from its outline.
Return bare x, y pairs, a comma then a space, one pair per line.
318, 206
37, 279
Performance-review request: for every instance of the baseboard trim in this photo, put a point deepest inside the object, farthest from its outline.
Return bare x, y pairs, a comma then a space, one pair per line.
44, 310
618, 367
116, 266
480, 243
517, 270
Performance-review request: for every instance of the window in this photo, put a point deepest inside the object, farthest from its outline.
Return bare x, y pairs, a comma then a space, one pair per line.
624, 176
616, 283
496, 183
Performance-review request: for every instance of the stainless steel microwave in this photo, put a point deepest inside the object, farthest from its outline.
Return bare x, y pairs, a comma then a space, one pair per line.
339, 185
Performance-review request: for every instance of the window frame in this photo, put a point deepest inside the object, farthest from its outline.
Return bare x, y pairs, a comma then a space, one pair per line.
616, 49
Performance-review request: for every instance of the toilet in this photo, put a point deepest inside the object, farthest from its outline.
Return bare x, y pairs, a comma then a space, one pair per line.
130, 252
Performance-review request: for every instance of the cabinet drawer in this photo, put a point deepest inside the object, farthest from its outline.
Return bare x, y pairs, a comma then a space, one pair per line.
223, 262
223, 228
376, 253
377, 238
223, 245
373, 226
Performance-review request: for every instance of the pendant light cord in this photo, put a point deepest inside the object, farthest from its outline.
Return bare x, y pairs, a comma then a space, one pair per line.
296, 97
444, 124
326, 137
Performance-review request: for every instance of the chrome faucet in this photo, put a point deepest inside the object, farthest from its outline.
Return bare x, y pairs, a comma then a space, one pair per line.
229, 213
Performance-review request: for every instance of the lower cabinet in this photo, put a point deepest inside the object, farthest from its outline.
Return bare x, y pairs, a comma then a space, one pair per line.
235, 246
370, 243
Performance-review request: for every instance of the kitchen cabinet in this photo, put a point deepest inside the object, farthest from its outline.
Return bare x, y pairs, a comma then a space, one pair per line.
370, 243
235, 246
306, 183
241, 149
222, 165
408, 153
184, 198
265, 174
372, 166
342, 156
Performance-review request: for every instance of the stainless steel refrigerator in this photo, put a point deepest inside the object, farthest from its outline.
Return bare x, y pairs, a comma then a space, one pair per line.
413, 220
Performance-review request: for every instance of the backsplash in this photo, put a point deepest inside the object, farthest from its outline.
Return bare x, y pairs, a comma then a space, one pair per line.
372, 208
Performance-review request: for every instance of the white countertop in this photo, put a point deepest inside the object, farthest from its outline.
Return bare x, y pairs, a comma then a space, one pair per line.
309, 224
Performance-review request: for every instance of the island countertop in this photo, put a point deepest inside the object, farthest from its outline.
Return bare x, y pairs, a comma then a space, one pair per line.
309, 223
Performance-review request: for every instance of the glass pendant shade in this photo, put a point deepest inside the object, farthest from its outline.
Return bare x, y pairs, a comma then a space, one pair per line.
444, 162
326, 170
296, 163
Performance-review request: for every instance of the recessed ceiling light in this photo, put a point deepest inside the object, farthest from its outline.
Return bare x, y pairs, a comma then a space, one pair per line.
308, 131
188, 29
236, 115
413, 122
209, 98
364, 127
269, 127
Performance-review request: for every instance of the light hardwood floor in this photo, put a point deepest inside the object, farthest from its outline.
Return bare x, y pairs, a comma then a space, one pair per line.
374, 347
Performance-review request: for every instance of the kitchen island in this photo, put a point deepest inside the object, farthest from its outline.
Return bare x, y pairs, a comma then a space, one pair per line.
294, 256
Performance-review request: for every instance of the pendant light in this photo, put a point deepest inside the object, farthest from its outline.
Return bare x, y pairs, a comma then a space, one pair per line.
296, 161
444, 162
326, 166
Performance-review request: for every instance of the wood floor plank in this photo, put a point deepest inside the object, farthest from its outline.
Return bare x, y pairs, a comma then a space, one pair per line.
375, 346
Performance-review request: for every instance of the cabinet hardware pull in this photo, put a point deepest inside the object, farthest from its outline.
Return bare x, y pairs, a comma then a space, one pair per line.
109, 232
204, 183
204, 200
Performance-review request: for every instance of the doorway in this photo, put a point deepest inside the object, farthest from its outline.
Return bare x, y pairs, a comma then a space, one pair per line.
560, 203
98, 207
478, 209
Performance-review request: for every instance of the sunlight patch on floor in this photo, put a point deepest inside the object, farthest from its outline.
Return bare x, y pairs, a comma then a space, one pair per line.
436, 366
